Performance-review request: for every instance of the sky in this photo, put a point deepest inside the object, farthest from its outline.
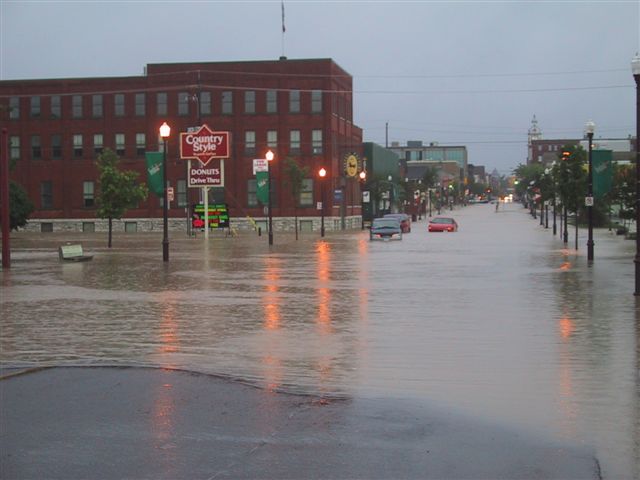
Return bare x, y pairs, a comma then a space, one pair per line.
468, 73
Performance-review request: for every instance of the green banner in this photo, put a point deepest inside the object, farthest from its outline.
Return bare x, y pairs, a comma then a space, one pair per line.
155, 172
262, 187
602, 164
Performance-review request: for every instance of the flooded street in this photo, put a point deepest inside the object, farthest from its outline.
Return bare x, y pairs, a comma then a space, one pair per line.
497, 321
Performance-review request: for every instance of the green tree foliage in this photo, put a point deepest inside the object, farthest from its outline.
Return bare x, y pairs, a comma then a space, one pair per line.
118, 190
21, 206
571, 177
430, 177
623, 192
295, 176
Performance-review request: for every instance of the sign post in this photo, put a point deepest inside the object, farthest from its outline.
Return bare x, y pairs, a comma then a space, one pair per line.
205, 145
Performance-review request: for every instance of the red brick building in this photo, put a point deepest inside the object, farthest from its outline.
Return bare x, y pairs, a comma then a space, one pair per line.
297, 108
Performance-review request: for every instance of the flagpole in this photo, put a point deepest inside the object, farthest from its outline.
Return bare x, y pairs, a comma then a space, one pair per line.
283, 28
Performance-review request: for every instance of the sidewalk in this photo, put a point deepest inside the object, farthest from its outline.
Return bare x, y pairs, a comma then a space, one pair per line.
109, 423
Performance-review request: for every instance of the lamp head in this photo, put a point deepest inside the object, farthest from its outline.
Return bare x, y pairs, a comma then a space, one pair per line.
165, 130
322, 172
363, 175
635, 65
269, 156
589, 127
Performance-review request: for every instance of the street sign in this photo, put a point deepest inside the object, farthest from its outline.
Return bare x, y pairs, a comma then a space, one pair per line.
588, 201
318, 205
170, 194
204, 144
366, 196
260, 165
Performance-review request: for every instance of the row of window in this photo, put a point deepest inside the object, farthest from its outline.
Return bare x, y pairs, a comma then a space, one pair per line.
88, 194
121, 147
202, 103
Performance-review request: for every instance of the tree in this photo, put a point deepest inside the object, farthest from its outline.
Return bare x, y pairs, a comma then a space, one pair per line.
430, 177
295, 174
20, 206
118, 190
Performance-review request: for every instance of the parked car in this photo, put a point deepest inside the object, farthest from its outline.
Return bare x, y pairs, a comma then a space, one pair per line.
405, 220
443, 224
385, 229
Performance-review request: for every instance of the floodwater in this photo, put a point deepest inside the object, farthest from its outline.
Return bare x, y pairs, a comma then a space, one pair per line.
498, 320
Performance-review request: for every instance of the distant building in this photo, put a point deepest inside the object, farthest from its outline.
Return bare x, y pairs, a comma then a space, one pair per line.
415, 158
547, 151
301, 109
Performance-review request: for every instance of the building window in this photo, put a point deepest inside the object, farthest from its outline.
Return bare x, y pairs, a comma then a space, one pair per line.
250, 102
87, 194
14, 147
56, 106
249, 142
227, 102
56, 147
88, 227
140, 104
46, 195
205, 103
118, 104
76, 106
183, 104
294, 101
272, 138
316, 101
46, 227
161, 103
272, 101
120, 144
36, 147
77, 145
306, 193
252, 198
316, 142
35, 107
98, 143
294, 141
14, 108
96, 106
130, 227
141, 144
181, 194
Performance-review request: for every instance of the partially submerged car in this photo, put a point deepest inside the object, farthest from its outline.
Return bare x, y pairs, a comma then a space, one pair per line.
385, 229
443, 224
405, 221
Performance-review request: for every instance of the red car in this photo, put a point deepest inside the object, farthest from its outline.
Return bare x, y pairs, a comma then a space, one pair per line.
405, 221
443, 224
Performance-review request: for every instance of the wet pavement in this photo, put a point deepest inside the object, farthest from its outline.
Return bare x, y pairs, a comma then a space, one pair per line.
498, 324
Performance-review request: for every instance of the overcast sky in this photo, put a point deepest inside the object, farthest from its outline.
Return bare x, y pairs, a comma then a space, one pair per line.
470, 73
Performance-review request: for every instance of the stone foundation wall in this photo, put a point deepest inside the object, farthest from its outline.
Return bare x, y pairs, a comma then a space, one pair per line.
132, 225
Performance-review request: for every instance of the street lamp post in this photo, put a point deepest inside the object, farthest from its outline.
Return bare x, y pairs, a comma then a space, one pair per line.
363, 179
322, 173
269, 157
635, 68
589, 129
165, 131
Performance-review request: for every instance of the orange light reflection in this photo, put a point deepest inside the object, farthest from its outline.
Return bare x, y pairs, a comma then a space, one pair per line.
271, 299
323, 255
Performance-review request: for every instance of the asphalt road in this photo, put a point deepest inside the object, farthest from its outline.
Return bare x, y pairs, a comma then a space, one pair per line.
107, 423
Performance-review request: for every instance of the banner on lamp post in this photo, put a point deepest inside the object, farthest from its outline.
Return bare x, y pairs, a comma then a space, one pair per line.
602, 164
155, 172
262, 187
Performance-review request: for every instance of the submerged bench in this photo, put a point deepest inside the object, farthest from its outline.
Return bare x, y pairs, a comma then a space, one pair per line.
73, 253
